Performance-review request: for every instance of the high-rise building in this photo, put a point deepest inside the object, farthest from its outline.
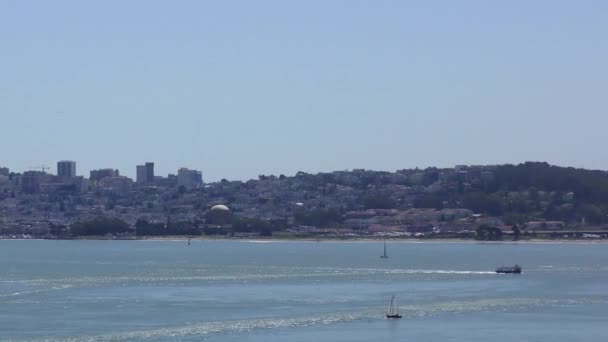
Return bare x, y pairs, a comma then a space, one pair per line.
4, 171
66, 169
141, 174
189, 179
145, 173
150, 173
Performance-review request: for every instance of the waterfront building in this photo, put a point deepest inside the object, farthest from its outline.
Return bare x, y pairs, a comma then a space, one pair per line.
189, 179
66, 169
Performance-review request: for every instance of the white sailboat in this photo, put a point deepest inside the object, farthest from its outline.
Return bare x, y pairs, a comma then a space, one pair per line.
392, 312
384, 256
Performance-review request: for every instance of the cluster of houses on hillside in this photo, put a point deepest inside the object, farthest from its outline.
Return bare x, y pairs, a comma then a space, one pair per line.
34, 202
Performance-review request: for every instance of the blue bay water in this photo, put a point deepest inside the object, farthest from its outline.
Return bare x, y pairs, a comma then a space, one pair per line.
300, 291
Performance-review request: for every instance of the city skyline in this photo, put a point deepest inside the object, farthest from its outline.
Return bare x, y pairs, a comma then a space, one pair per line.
270, 87
68, 169
149, 174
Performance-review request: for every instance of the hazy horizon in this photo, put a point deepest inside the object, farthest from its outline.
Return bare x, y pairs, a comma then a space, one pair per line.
237, 89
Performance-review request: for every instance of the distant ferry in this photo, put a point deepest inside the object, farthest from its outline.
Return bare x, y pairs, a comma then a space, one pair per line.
509, 269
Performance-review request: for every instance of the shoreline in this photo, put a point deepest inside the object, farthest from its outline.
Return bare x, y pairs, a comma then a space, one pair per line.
390, 241
329, 240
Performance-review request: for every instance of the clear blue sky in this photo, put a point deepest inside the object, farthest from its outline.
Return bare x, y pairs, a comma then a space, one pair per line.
241, 88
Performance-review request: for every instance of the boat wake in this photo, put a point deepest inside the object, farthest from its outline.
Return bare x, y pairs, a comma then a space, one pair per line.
32, 292
262, 275
202, 329
440, 272
375, 271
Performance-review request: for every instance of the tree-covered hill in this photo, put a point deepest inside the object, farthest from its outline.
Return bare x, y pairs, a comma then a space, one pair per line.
539, 191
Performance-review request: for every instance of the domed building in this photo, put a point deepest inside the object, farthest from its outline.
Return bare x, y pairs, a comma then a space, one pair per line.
219, 214
219, 207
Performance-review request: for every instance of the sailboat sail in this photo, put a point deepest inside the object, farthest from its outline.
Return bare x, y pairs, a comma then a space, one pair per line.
391, 307
384, 256
392, 312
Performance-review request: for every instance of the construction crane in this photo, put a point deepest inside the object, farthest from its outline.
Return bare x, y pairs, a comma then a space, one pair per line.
41, 167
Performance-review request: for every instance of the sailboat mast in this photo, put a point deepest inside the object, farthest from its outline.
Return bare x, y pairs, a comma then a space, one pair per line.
384, 256
391, 307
